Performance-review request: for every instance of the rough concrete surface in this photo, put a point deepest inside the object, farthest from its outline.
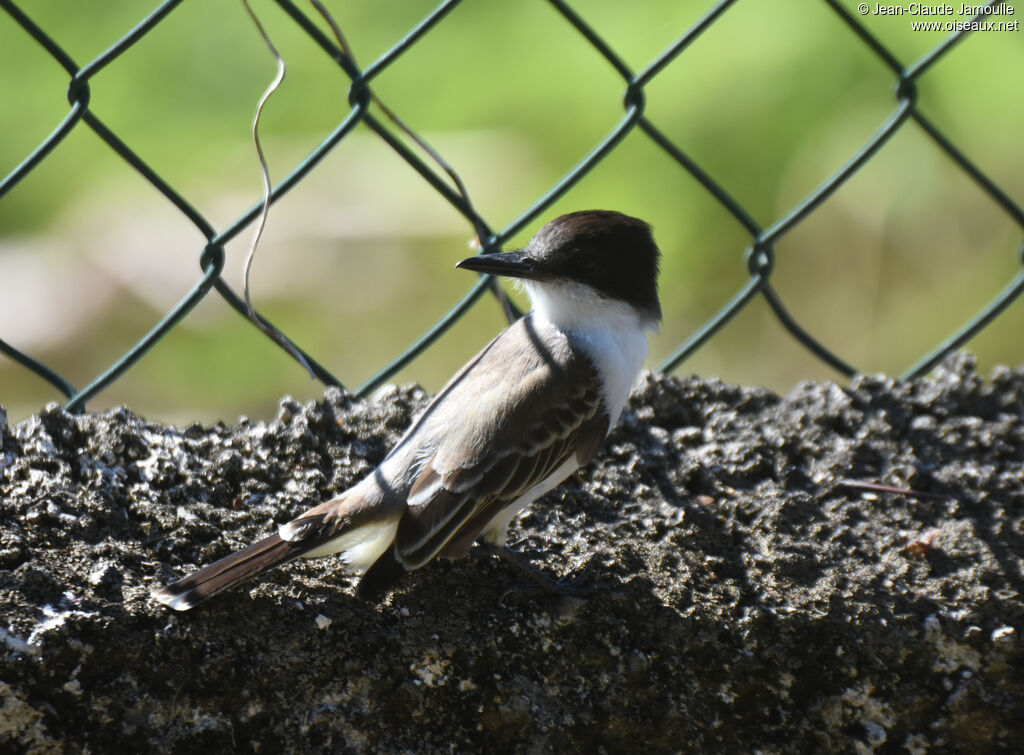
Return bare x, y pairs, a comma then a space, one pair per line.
747, 598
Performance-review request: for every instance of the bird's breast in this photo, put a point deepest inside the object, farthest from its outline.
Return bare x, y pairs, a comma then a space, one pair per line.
618, 351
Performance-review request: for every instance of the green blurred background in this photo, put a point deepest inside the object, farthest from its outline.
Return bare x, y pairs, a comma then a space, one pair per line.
357, 260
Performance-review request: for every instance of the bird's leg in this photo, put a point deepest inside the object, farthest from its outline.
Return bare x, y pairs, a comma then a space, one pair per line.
576, 587
527, 554
483, 550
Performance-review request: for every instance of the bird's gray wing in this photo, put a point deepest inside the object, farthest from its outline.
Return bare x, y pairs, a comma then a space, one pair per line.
550, 409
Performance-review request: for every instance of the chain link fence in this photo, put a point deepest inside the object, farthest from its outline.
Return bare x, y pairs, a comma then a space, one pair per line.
366, 112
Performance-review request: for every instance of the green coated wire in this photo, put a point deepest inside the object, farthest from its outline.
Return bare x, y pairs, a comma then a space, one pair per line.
364, 106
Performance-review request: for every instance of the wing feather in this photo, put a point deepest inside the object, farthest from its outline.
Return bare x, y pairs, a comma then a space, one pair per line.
483, 464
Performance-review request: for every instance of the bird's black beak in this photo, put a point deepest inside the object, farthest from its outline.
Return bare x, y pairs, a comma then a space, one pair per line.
517, 264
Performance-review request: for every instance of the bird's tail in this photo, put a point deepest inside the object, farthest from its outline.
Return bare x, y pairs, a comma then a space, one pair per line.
358, 525
229, 571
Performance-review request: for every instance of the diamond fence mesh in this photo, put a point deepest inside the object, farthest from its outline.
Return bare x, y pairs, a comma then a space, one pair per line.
366, 111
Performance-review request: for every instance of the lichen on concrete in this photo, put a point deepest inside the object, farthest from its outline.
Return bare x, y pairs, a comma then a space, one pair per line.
748, 597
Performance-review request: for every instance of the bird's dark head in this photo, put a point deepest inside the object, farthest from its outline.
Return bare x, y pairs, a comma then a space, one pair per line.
611, 254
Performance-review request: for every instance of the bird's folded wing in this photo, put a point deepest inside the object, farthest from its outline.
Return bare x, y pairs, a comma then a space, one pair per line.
460, 488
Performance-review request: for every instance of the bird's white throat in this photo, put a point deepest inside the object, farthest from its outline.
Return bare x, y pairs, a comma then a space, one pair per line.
612, 332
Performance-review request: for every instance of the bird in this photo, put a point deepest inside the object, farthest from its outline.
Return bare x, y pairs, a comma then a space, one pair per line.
521, 416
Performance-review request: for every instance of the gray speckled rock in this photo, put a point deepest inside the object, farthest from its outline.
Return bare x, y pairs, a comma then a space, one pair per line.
749, 599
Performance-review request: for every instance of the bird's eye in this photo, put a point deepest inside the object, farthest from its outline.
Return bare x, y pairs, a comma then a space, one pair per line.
585, 265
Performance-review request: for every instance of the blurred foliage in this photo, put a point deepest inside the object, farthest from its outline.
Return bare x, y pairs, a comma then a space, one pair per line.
357, 260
